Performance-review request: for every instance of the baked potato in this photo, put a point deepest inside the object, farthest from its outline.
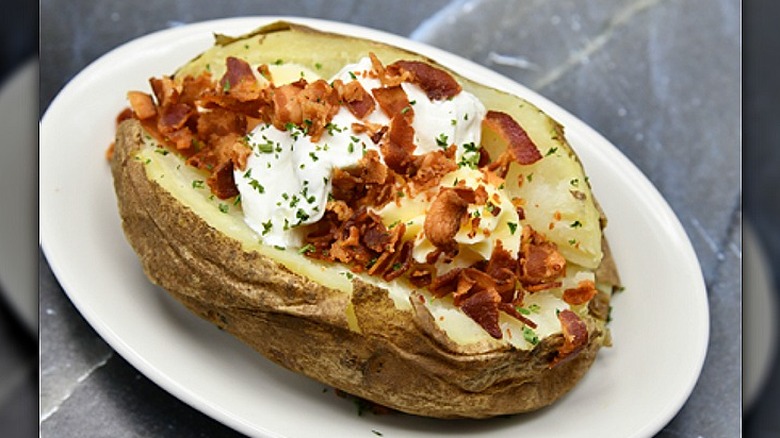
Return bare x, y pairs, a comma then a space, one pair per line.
468, 281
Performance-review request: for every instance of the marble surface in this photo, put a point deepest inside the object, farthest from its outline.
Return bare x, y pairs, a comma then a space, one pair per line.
658, 78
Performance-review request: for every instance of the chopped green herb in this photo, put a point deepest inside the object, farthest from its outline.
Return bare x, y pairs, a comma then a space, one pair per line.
267, 227
551, 151
576, 224
512, 227
162, 151
534, 308
226, 86
279, 247
307, 248
313, 156
441, 141
530, 336
224, 208
523, 310
530, 177
255, 184
279, 61
575, 182
197, 184
376, 432
317, 65
352, 75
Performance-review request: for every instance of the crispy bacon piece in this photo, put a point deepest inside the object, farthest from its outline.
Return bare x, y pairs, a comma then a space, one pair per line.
435, 82
432, 167
174, 116
357, 100
398, 145
575, 337
221, 181
142, 105
393, 101
519, 145
540, 262
239, 80
310, 106
444, 218
482, 307
584, 292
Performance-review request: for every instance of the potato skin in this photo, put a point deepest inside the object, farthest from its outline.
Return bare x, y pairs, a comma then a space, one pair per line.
397, 360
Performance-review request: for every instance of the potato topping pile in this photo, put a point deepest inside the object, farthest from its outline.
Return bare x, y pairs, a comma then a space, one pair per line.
397, 203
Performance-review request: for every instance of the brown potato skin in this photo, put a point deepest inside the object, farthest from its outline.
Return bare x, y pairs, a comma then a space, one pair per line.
400, 359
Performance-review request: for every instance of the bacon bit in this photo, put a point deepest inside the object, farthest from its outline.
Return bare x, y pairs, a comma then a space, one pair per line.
393, 101
221, 181
445, 283
421, 274
480, 195
142, 104
435, 82
386, 77
357, 100
164, 90
398, 145
402, 263
239, 81
540, 262
432, 167
444, 218
575, 337
219, 122
520, 146
265, 72
309, 106
174, 116
584, 292
482, 307
193, 89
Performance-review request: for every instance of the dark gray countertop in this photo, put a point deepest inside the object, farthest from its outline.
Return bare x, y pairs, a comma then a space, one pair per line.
659, 79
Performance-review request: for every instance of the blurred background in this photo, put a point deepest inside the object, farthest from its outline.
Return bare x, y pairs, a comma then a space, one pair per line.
18, 220
751, 235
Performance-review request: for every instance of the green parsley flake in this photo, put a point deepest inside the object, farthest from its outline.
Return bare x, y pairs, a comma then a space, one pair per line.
551, 151
224, 208
267, 227
441, 141
307, 248
576, 224
512, 227
255, 184
197, 184
530, 336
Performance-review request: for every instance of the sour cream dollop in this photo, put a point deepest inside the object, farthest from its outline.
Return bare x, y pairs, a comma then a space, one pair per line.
287, 178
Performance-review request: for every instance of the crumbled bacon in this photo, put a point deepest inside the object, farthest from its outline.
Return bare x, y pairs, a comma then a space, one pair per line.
221, 181
584, 292
435, 82
482, 307
393, 101
142, 104
540, 262
575, 337
398, 145
520, 146
355, 98
309, 106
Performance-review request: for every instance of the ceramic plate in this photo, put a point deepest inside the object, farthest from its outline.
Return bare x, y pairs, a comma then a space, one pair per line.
660, 322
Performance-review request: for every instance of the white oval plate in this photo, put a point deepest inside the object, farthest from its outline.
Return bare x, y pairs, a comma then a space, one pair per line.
660, 322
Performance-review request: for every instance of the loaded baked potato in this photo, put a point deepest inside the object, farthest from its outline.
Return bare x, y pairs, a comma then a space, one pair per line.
361, 215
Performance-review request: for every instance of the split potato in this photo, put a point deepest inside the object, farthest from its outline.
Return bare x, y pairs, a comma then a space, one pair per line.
387, 341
